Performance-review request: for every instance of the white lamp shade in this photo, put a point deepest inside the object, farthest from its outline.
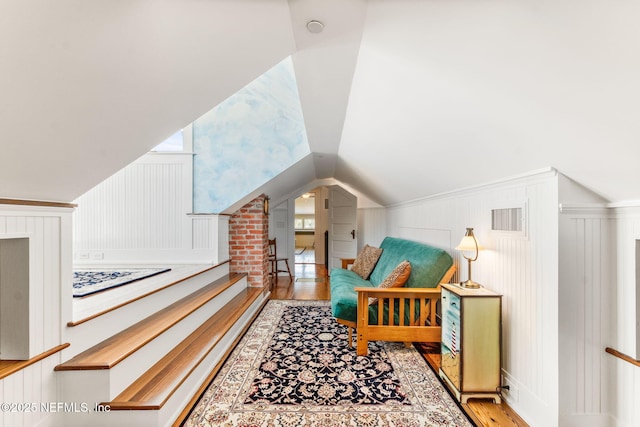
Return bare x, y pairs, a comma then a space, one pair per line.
468, 243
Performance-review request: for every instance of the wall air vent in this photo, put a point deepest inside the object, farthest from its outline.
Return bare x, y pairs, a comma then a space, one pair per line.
508, 219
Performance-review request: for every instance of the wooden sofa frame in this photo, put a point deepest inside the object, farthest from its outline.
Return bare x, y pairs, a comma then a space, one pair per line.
420, 329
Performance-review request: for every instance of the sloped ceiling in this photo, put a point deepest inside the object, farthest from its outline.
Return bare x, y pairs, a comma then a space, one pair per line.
89, 86
401, 98
451, 94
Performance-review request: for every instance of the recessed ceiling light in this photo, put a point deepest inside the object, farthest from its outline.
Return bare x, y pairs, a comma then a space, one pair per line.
315, 26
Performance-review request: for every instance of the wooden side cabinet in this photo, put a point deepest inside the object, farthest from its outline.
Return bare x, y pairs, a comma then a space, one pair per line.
470, 346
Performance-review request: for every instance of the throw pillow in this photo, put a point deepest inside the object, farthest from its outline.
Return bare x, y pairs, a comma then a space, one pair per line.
366, 261
396, 279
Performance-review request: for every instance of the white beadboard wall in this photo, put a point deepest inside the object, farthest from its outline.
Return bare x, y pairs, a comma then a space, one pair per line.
281, 219
142, 215
523, 267
35, 384
369, 221
45, 228
599, 291
49, 233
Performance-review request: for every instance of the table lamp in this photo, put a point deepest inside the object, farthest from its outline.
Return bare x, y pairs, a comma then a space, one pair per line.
468, 244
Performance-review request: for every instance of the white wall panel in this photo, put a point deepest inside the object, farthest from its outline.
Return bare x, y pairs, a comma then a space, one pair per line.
45, 271
598, 310
143, 205
371, 226
142, 215
624, 378
202, 229
35, 384
49, 234
585, 246
281, 219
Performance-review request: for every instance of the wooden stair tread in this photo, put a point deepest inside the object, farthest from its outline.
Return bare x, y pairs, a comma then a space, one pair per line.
10, 367
113, 350
152, 389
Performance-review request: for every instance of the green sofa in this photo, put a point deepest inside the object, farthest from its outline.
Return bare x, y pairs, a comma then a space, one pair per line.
430, 266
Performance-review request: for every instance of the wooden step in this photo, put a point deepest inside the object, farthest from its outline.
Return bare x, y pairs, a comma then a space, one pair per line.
115, 349
10, 367
151, 390
86, 334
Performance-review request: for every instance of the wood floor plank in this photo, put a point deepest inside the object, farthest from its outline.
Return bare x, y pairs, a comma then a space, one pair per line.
490, 414
115, 349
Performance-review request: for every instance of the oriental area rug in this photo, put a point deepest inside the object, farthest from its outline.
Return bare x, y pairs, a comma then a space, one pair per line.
294, 368
91, 281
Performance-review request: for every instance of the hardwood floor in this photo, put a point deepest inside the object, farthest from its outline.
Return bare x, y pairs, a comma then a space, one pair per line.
311, 282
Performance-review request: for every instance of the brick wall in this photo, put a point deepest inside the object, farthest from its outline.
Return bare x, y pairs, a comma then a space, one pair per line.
248, 242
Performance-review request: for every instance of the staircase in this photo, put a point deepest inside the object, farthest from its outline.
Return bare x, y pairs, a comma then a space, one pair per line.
145, 362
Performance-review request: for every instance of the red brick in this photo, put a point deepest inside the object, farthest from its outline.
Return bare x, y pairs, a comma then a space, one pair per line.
248, 235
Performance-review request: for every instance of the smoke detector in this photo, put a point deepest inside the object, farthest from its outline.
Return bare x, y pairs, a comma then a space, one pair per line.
315, 26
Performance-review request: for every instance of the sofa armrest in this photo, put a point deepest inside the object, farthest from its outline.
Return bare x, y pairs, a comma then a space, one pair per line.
406, 293
421, 327
347, 262
425, 297
448, 275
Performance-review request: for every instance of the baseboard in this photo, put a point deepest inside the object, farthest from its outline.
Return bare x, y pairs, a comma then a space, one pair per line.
588, 420
527, 405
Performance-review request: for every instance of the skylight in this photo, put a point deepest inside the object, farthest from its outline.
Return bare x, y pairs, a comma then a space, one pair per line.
174, 143
248, 139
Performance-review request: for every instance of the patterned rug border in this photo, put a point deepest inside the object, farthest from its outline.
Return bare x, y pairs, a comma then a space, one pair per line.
222, 402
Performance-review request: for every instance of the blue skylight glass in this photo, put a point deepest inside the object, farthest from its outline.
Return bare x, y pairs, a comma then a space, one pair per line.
248, 139
171, 144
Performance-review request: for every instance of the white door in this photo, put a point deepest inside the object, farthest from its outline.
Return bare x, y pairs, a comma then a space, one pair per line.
343, 242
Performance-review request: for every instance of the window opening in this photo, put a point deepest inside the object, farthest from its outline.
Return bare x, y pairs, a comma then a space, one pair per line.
175, 143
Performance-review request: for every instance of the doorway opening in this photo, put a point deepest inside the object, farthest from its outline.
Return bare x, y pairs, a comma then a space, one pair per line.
305, 228
309, 227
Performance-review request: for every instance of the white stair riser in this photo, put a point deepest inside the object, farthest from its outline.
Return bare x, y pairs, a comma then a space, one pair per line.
83, 387
176, 403
94, 331
111, 419
106, 384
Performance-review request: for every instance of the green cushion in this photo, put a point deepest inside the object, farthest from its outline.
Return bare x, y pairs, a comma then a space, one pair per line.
428, 264
344, 300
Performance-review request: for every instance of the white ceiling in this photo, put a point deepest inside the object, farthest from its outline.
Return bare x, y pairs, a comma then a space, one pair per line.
402, 98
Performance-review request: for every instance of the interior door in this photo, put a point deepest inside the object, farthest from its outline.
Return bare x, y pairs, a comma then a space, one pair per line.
343, 240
